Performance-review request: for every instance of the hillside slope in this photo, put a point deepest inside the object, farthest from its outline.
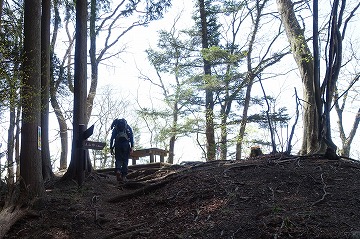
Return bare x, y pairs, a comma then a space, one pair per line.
267, 197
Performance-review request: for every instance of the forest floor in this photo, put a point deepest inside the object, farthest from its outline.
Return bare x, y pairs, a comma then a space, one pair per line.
265, 197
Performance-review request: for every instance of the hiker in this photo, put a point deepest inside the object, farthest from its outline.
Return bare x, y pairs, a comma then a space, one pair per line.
123, 141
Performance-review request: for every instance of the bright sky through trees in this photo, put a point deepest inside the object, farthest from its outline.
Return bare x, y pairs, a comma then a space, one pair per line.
122, 74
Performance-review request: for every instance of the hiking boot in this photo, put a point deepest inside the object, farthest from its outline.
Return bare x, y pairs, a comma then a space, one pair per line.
118, 176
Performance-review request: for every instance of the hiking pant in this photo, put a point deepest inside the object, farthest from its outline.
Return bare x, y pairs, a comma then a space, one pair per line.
122, 153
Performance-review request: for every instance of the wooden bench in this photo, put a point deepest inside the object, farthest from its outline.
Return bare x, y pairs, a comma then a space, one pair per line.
152, 152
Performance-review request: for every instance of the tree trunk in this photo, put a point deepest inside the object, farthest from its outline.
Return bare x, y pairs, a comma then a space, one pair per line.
30, 156
223, 138
251, 74
1, 8
11, 142
45, 89
63, 130
240, 138
304, 60
170, 159
77, 165
13, 120
173, 133
209, 101
94, 72
93, 60
53, 91
345, 140
225, 111
334, 59
17, 141
11, 213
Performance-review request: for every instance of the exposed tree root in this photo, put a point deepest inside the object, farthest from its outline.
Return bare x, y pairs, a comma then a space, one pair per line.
9, 216
143, 190
143, 172
15, 208
148, 183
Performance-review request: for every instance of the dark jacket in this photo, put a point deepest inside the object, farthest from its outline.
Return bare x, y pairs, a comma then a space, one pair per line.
117, 141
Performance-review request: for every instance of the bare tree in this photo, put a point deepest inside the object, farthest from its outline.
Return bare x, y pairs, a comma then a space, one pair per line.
233, 80
338, 24
60, 76
105, 24
102, 25
173, 65
107, 107
11, 69
317, 96
152, 10
236, 62
305, 62
340, 103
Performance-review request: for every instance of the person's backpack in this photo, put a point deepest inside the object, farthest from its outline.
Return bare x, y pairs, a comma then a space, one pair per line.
121, 127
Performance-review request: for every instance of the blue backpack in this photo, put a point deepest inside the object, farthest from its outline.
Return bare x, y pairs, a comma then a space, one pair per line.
121, 128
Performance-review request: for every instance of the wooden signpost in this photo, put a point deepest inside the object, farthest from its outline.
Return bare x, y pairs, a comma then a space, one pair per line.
82, 145
93, 145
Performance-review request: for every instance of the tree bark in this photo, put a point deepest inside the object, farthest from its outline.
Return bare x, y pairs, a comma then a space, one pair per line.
209, 101
14, 110
45, 89
249, 78
30, 156
334, 59
9, 215
1, 10
173, 132
93, 61
304, 60
346, 141
62, 128
241, 135
223, 133
77, 164
17, 141
54, 85
11, 143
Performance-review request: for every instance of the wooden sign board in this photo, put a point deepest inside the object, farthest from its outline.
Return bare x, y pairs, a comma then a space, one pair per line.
87, 133
94, 145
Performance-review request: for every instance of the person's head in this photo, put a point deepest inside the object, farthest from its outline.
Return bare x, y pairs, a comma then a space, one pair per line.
121, 124
118, 122
124, 120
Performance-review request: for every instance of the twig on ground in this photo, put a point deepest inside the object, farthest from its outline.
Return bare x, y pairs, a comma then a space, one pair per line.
324, 190
94, 201
233, 235
287, 159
